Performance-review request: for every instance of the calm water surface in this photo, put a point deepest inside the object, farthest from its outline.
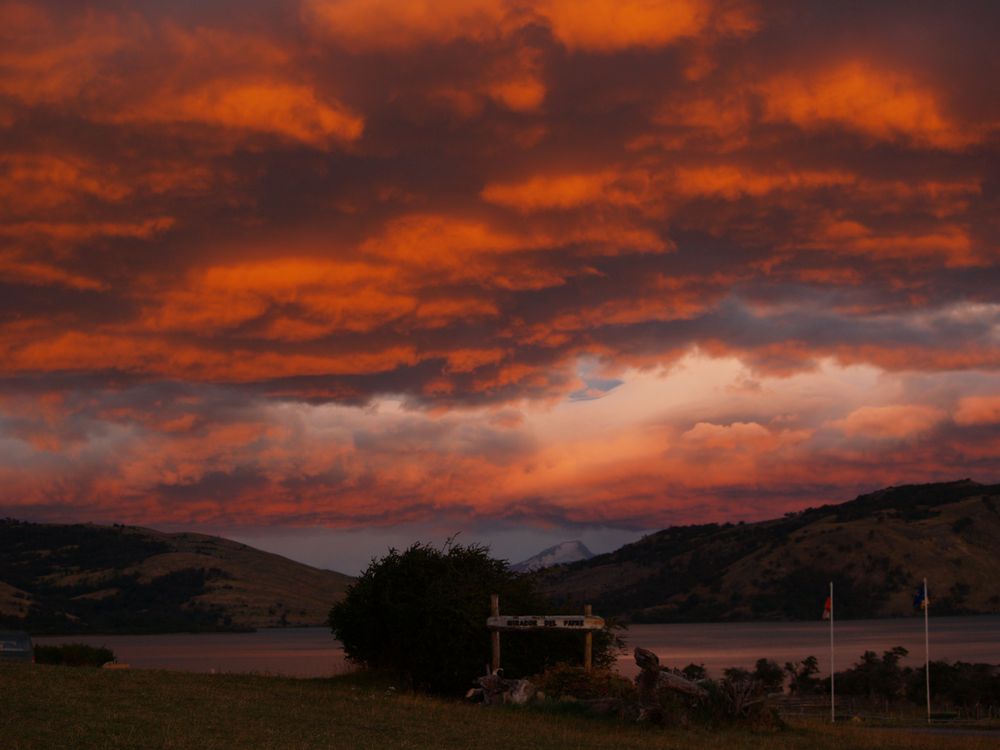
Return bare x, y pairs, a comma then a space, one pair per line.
722, 645
297, 652
312, 652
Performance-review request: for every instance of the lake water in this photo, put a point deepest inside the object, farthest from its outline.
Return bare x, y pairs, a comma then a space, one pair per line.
312, 652
722, 645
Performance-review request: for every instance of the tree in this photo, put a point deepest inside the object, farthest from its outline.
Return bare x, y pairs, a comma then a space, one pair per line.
421, 614
874, 677
770, 676
801, 680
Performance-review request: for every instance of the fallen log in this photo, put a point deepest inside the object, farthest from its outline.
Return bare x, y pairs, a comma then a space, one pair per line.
653, 678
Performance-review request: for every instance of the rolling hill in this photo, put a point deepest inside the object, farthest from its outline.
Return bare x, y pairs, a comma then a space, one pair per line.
89, 578
876, 549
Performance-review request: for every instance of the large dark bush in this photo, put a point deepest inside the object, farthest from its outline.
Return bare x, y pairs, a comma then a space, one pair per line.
421, 614
73, 655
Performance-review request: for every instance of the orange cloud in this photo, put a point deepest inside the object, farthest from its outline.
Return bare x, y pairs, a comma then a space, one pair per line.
77, 231
593, 25
44, 59
441, 240
897, 422
301, 298
947, 242
402, 24
911, 357
467, 360
291, 110
738, 436
16, 269
610, 25
729, 181
219, 79
567, 191
881, 104
34, 182
519, 92
978, 410
726, 116
161, 357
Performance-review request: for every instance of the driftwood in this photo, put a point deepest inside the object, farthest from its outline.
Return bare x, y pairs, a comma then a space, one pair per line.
653, 680
743, 698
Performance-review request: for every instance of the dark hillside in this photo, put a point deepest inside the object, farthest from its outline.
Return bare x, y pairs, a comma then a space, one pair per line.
87, 578
875, 548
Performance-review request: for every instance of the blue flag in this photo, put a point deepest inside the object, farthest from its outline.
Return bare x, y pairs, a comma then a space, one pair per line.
919, 600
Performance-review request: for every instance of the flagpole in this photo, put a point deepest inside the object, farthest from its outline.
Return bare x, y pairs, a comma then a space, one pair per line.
927, 651
833, 710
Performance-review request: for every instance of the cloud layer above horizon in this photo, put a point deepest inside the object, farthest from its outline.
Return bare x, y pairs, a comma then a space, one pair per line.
616, 263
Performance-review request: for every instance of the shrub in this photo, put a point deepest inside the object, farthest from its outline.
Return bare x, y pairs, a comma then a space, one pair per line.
770, 676
875, 677
801, 679
421, 614
695, 672
740, 697
568, 680
73, 655
960, 684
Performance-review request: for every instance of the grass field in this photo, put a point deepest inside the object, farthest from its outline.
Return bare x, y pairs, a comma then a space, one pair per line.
50, 708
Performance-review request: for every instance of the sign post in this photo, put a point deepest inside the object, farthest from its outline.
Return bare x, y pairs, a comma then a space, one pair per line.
586, 623
833, 668
927, 650
495, 634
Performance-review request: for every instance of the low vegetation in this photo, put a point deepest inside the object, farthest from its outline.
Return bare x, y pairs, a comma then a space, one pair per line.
955, 686
47, 707
73, 655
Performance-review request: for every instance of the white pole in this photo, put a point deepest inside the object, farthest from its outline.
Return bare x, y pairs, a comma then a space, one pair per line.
927, 650
833, 709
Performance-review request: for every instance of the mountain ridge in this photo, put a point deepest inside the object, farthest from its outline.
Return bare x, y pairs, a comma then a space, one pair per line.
90, 578
874, 548
564, 552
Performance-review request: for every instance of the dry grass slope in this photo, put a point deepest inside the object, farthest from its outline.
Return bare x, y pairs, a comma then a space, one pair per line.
62, 569
262, 590
56, 708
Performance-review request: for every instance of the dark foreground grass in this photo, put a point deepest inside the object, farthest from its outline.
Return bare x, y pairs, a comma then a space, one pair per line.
49, 708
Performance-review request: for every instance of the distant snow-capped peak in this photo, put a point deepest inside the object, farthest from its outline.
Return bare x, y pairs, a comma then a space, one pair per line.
564, 552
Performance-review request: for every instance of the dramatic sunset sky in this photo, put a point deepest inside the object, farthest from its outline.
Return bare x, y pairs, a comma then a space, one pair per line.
328, 275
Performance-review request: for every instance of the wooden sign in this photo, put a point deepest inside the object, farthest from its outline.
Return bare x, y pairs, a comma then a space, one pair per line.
585, 623
545, 622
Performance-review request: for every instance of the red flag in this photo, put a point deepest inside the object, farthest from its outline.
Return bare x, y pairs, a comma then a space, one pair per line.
827, 608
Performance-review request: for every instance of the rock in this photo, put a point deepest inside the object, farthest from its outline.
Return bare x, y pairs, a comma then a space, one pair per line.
522, 693
495, 690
